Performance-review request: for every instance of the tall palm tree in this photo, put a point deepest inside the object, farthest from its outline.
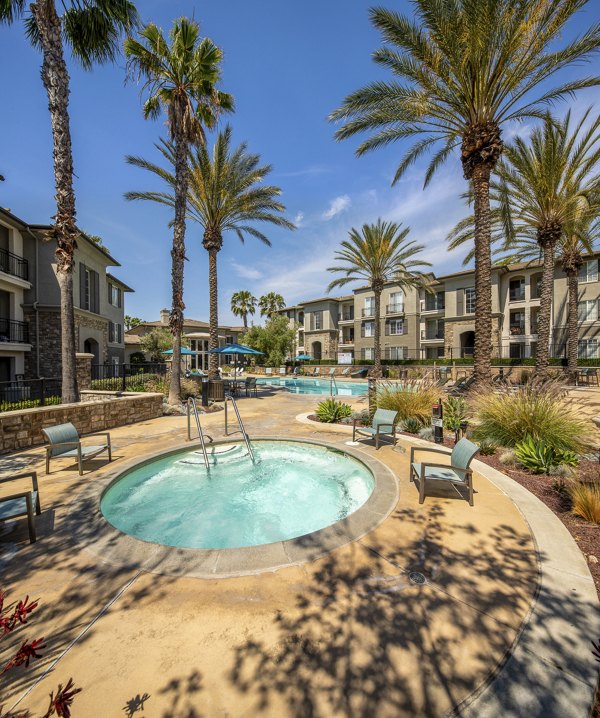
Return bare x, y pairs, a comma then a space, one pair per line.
464, 69
225, 194
242, 304
270, 303
91, 29
378, 254
180, 78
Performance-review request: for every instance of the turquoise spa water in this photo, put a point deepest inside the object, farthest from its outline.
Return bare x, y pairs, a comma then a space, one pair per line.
292, 490
316, 386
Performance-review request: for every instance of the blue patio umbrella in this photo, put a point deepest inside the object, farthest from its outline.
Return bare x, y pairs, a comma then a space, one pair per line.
303, 357
235, 349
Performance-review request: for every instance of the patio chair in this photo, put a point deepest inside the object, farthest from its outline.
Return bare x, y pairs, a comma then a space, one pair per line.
590, 375
316, 371
23, 503
360, 374
65, 443
269, 371
463, 384
282, 370
251, 386
332, 371
346, 372
384, 424
297, 371
457, 471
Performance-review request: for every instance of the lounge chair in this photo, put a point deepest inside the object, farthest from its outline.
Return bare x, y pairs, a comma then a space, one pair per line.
316, 371
282, 370
297, 371
457, 471
65, 443
332, 371
269, 371
346, 371
463, 384
384, 424
360, 374
251, 386
23, 503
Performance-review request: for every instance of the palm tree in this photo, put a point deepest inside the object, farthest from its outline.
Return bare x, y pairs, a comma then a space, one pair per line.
378, 254
181, 79
242, 304
91, 28
270, 303
464, 70
225, 194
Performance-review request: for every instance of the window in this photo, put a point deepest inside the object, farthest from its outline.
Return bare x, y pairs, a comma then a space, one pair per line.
396, 326
369, 329
515, 351
588, 311
588, 349
368, 353
434, 329
589, 271
396, 352
516, 289
115, 333
114, 295
535, 283
369, 307
317, 322
434, 302
396, 302
470, 300
115, 361
517, 323
89, 289
229, 340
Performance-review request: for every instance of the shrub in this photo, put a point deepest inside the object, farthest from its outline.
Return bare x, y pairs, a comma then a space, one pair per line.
586, 501
412, 425
508, 458
487, 448
455, 412
411, 400
539, 457
539, 410
331, 411
426, 433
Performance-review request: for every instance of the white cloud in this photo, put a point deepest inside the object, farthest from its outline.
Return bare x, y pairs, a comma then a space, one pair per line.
337, 205
246, 272
298, 219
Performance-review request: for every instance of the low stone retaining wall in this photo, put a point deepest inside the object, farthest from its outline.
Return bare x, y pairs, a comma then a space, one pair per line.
21, 429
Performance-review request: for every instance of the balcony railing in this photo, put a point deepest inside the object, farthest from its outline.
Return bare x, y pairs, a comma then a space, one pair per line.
428, 335
368, 312
394, 309
346, 317
516, 295
13, 331
347, 340
12, 264
517, 329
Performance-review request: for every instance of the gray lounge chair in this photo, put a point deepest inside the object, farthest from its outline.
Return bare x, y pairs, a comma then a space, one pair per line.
251, 386
316, 371
384, 424
23, 503
360, 373
457, 471
65, 444
332, 371
346, 371
297, 371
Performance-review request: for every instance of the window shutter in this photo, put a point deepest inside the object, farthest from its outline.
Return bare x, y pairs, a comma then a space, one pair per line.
120, 333
119, 297
387, 329
362, 330
82, 285
110, 286
460, 302
404, 328
111, 332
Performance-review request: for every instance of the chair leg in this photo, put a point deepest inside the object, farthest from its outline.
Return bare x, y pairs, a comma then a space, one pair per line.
79, 463
471, 490
421, 489
377, 441
109, 451
30, 519
47, 463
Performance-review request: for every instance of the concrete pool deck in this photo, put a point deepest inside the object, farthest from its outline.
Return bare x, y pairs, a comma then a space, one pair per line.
348, 634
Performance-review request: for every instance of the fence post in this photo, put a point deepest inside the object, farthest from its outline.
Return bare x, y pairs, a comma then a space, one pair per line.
123, 384
42, 392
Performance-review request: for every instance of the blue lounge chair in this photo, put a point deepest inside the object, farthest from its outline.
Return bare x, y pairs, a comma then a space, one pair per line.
457, 471
64, 443
384, 424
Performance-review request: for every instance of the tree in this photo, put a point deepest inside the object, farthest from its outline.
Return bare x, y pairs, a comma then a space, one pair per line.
180, 78
156, 342
270, 303
131, 322
464, 70
378, 254
91, 28
546, 186
225, 194
275, 340
242, 304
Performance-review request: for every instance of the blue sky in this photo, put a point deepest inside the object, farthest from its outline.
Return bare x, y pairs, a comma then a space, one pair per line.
288, 64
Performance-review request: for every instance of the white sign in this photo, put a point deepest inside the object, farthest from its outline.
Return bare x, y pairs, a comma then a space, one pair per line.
437, 422
345, 358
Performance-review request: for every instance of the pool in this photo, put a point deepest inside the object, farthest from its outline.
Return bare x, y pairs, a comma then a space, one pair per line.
307, 385
293, 489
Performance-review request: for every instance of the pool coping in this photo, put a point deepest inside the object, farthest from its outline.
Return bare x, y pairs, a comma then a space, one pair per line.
86, 525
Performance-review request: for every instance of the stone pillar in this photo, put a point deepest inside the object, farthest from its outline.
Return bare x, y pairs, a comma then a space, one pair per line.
84, 370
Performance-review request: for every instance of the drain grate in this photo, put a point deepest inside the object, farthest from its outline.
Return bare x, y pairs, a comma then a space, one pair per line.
417, 577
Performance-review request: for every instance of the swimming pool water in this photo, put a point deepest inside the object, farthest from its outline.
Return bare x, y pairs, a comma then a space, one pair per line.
293, 489
307, 385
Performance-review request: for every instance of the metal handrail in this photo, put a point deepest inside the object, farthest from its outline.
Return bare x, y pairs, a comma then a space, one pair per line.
241, 430
191, 402
332, 383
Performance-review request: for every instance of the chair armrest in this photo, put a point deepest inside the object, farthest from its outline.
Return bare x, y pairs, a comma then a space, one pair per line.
24, 475
414, 450
20, 495
99, 433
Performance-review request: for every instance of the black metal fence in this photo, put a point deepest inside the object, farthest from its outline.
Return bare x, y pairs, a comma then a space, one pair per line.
127, 377
29, 393
13, 331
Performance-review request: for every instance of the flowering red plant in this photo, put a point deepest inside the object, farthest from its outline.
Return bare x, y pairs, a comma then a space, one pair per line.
61, 703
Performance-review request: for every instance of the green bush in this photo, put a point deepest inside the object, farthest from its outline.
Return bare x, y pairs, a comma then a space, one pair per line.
539, 457
487, 448
455, 412
540, 410
412, 425
331, 411
411, 399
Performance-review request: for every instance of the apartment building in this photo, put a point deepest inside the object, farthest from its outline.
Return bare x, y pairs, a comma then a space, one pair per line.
30, 327
441, 323
196, 334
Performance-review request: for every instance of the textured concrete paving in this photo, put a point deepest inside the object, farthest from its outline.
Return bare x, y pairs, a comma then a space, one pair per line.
347, 635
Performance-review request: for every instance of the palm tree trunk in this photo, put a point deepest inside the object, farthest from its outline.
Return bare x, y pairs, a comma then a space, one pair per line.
245, 317
572, 325
177, 262
376, 372
213, 331
483, 274
56, 81
542, 355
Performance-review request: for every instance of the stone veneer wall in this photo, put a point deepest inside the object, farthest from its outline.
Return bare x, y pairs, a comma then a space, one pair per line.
21, 429
97, 323
50, 344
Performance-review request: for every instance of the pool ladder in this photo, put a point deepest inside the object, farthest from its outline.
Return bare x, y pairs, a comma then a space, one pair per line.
332, 386
191, 406
241, 430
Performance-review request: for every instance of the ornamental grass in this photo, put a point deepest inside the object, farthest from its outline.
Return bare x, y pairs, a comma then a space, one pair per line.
585, 500
412, 399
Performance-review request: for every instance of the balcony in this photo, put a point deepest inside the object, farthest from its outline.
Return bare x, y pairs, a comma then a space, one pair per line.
367, 312
429, 335
346, 316
346, 341
12, 264
394, 309
517, 329
14, 332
